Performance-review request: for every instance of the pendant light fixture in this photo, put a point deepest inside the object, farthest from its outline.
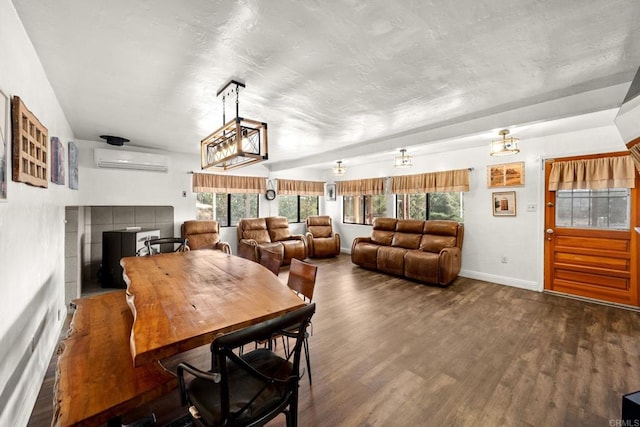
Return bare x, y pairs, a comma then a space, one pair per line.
240, 142
504, 146
339, 169
403, 160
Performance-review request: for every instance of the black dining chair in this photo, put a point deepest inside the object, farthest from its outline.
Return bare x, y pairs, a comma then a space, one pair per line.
252, 388
152, 246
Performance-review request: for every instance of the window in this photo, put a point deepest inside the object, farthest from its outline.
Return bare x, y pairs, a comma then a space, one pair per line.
430, 206
362, 209
228, 208
297, 208
607, 208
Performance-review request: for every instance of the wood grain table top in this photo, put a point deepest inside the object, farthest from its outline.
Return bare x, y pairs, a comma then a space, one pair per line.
184, 300
95, 379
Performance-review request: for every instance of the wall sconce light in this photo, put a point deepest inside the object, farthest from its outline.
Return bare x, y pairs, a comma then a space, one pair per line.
240, 142
338, 169
403, 160
504, 146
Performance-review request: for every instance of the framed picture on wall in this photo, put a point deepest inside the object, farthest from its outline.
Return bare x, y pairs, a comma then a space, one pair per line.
73, 165
504, 203
331, 192
505, 175
5, 119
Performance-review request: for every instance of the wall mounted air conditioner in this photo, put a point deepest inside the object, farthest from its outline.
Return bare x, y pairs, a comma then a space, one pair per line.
130, 160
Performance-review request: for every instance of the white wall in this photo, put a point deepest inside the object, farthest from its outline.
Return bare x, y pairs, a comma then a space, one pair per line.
31, 238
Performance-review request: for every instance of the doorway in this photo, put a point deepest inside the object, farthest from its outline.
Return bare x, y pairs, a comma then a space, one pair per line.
591, 246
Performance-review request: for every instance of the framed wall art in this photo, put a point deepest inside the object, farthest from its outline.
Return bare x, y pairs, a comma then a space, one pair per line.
5, 120
331, 192
504, 203
57, 161
505, 175
30, 146
73, 165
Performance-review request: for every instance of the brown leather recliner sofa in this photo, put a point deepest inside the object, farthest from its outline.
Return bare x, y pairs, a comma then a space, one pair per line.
203, 234
321, 240
254, 234
426, 251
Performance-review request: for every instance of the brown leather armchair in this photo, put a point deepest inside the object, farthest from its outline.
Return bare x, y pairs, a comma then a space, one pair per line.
254, 234
322, 242
204, 234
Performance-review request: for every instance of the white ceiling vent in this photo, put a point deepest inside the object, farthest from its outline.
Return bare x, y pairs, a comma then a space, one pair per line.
119, 159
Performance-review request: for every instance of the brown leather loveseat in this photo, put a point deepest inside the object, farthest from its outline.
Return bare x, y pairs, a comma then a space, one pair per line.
254, 234
426, 251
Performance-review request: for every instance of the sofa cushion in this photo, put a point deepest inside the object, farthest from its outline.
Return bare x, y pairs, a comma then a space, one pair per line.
391, 260
441, 227
434, 243
406, 240
278, 227
319, 231
256, 229
385, 224
421, 266
415, 226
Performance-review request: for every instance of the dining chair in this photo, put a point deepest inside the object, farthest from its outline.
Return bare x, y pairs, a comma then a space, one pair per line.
180, 241
272, 259
302, 280
252, 388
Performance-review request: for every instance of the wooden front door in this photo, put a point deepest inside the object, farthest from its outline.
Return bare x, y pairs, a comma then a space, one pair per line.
594, 259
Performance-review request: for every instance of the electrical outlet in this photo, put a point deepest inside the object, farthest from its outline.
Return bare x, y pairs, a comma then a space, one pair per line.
531, 207
504, 259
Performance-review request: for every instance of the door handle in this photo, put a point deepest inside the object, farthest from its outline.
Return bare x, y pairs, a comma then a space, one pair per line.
549, 230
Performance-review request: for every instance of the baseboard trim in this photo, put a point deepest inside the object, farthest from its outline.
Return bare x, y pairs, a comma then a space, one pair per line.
502, 280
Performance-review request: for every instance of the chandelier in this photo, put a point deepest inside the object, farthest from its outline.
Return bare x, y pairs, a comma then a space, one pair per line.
338, 169
504, 146
239, 142
403, 160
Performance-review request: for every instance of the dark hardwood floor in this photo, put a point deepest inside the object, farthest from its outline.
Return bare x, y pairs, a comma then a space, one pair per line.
390, 352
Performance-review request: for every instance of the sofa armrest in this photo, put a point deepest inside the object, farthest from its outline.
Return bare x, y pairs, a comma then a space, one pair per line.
359, 240
449, 265
309, 240
224, 247
297, 237
336, 236
248, 248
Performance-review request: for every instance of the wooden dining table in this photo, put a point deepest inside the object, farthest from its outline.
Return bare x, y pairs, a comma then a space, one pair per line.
110, 363
183, 300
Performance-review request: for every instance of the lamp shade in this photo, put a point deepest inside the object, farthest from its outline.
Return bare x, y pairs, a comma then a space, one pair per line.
339, 169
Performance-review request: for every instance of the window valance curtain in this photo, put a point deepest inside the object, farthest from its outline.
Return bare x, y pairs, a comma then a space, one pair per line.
360, 187
206, 182
302, 188
433, 182
592, 174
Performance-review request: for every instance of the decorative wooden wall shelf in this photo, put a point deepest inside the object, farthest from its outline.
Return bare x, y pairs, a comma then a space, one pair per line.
30, 146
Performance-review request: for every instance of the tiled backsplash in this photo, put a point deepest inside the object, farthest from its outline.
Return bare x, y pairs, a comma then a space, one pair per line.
109, 218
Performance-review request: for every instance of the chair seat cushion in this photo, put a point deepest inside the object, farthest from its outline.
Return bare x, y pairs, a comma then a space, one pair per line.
205, 395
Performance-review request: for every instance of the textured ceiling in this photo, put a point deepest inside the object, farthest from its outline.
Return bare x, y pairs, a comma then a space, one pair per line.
329, 77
